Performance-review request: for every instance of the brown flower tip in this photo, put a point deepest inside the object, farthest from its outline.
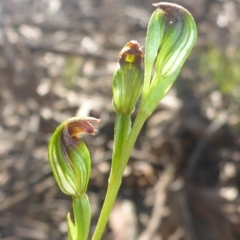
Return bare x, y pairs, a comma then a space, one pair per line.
75, 127
131, 53
78, 126
173, 11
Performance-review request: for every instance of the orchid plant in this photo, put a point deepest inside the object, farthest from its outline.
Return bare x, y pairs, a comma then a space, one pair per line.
140, 76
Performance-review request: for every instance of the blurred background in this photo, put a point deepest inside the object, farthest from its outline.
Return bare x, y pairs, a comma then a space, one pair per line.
56, 61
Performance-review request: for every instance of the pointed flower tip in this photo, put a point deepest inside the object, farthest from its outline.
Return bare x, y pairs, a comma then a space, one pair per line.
76, 127
131, 53
132, 47
168, 7
173, 10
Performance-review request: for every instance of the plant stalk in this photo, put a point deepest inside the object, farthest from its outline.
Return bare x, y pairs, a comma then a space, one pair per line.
82, 216
115, 178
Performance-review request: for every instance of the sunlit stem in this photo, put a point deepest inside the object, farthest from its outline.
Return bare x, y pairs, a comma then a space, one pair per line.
115, 178
82, 216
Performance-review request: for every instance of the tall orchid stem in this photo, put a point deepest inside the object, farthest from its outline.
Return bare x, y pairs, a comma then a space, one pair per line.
116, 174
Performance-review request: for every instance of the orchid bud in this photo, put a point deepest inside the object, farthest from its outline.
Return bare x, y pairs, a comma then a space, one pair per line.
179, 38
170, 38
128, 78
69, 157
171, 35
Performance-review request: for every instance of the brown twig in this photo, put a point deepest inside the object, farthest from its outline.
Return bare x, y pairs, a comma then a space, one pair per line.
158, 206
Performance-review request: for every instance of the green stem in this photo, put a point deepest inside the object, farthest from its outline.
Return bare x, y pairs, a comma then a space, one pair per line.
82, 216
122, 129
115, 178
